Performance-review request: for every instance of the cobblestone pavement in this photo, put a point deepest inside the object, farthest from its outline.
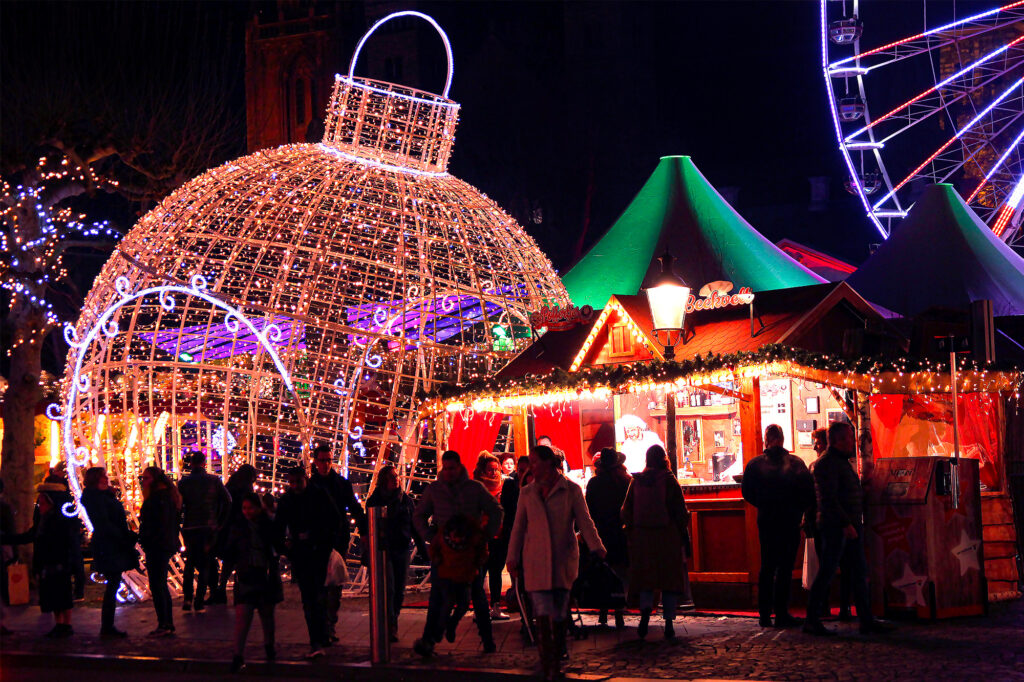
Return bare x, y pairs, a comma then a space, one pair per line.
708, 646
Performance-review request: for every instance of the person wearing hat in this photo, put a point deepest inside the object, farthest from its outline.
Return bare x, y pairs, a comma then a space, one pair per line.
53, 536
606, 492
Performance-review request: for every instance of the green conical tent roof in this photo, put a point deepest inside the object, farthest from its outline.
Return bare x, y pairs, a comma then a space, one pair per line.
942, 254
677, 209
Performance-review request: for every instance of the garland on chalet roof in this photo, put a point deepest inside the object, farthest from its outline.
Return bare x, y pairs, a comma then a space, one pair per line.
874, 374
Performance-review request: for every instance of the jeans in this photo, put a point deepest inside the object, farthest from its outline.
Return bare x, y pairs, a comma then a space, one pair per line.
156, 571
669, 602
481, 609
397, 574
243, 621
845, 587
199, 558
309, 568
834, 544
110, 600
433, 628
497, 553
553, 604
454, 599
779, 544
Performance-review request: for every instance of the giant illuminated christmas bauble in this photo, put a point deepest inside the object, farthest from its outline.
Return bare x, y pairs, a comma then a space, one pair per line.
361, 274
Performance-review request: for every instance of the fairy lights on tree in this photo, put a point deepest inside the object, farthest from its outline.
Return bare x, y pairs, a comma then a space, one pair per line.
383, 274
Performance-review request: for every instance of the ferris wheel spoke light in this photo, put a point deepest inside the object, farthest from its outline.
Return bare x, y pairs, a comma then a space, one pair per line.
1006, 93
857, 146
996, 166
935, 88
932, 32
1009, 209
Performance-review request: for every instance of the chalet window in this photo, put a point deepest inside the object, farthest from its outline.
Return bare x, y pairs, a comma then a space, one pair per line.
621, 341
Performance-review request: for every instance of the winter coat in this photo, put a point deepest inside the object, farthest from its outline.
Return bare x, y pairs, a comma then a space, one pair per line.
509, 500
205, 502
543, 538
399, 531
159, 529
252, 547
338, 488
53, 536
779, 485
840, 497
309, 521
440, 501
606, 493
657, 526
113, 543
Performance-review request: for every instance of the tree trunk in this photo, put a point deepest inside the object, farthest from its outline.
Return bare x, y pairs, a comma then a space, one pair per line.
28, 325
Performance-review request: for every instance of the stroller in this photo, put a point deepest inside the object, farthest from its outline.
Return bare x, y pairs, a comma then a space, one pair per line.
597, 587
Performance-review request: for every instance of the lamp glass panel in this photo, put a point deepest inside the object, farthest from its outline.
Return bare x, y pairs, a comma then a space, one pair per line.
668, 305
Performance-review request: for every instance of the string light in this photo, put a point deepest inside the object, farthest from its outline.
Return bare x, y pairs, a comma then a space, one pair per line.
868, 375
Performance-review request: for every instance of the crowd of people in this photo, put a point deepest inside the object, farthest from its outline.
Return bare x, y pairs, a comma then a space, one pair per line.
523, 515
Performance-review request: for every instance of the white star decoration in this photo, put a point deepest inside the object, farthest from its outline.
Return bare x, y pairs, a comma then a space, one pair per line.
910, 585
967, 553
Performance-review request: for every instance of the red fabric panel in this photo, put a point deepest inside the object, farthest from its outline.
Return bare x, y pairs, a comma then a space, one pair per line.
886, 412
468, 438
923, 425
562, 425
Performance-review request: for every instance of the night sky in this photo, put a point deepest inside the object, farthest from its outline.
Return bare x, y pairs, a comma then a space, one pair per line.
566, 107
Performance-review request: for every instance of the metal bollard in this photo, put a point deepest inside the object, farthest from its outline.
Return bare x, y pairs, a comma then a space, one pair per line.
380, 638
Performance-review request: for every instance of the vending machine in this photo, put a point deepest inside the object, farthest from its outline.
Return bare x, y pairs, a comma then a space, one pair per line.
923, 538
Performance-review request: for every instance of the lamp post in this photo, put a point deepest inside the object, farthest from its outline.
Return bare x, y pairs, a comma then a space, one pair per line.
667, 299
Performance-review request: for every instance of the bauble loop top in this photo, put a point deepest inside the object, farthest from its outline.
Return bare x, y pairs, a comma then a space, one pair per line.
390, 125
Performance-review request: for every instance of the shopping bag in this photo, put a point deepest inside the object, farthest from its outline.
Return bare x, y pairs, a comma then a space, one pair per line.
810, 564
17, 584
337, 571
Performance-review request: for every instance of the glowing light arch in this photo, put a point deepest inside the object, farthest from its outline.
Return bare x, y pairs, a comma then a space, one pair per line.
77, 457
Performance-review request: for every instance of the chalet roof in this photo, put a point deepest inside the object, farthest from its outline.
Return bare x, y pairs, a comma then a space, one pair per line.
678, 210
786, 314
942, 254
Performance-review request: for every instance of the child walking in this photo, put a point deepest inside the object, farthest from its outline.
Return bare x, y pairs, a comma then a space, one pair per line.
458, 552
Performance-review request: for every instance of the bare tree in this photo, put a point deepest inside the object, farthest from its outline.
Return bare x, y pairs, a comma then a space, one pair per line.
106, 109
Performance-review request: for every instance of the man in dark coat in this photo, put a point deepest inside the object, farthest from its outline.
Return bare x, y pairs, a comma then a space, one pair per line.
781, 488
841, 529
338, 488
205, 508
308, 520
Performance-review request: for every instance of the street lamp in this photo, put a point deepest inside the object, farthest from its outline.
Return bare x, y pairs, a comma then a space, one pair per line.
667, 298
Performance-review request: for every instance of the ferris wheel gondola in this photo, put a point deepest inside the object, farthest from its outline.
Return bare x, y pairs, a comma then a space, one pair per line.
945, 104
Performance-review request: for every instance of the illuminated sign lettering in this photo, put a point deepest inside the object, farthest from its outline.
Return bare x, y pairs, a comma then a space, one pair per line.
719, 300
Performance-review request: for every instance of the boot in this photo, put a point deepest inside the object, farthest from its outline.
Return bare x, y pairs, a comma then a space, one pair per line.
645, 620
620, 622
561, 648
670, 633
545, 646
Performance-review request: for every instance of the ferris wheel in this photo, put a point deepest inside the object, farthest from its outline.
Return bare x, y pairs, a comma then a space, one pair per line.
929, 92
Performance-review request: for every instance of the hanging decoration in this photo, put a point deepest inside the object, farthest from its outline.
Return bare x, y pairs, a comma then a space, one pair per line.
866, 374
375, 266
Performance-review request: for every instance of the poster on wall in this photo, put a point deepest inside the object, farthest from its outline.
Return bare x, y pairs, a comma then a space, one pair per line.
777, 407
637, 429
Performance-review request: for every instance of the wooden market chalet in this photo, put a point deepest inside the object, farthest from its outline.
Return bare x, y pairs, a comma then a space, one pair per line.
766, 340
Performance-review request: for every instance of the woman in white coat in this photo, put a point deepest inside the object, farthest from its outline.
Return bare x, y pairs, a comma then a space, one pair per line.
549, 510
